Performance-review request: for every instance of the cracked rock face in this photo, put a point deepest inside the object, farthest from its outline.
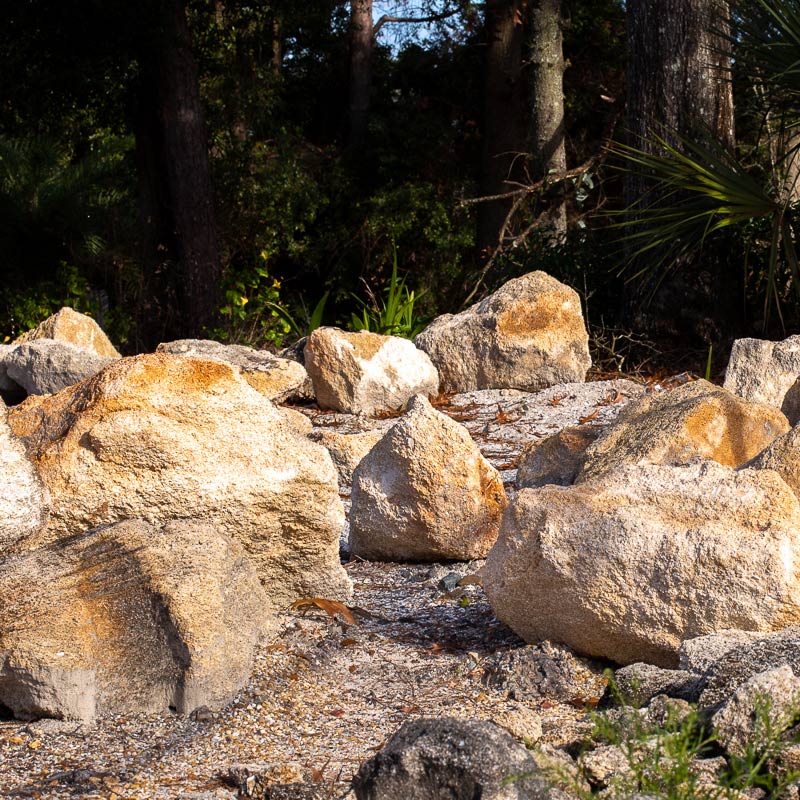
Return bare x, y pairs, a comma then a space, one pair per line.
528, 335
162, 437
630, 564
129, 618
366, 373
425, 492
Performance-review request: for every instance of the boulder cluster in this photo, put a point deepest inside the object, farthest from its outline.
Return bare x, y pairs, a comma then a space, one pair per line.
157, 509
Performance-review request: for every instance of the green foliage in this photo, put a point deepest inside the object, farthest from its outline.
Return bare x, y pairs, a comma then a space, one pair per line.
391, 315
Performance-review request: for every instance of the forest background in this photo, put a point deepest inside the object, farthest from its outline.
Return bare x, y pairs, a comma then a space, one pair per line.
247, 170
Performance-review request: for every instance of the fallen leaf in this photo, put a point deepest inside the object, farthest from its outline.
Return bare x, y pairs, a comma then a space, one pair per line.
349, 642
589, 417
35, 744
613, 399
330, 607
556, 401
548, 704
471, 580
410, 709
337, 712
352, 668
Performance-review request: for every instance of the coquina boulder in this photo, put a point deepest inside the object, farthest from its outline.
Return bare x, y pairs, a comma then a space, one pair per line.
767, 372
162, 437
67, 325
129, 618
528, 335
696, 420
366, 373
628, 565
424, 492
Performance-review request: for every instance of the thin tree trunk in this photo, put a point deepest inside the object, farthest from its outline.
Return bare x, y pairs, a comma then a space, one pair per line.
505, 115
549, 153
176, 179
361, 45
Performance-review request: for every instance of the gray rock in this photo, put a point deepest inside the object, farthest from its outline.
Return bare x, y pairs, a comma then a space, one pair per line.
24, 500
10, 390
698, 654
604, 763
528, 335
46, 366
763, 706
278, 379
743, 662
450, 759
556, 460
639, 683
767, 372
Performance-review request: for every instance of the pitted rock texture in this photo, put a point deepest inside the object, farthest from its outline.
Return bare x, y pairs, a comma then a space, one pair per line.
67, 325
24, 501
163, 437
366, 373
46, 366
129, 618
697, 420
558, 459
767, 372
783, 456
630, 564
278, 379
425, 492
528, 335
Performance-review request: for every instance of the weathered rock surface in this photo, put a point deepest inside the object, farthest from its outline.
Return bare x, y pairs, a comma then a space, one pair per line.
639, 683
366, 373
556, 460
702, 652
8, 388
445, 758
24, 501
278, 379
740, 663
129, 618
697, 420
528, 335
783, 456
629, 565
347, 450
45, 366
425, 492
766, 703
67, 325
163, 437
767, 372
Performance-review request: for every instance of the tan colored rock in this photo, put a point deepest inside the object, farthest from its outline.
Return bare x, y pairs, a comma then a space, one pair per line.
782, 455
425, 493
696, 420
24, 501
278, 379
767, 372
129, 618
366, 373
630, 564
347, 449
528, 335
162, 437
67, 325
556, 459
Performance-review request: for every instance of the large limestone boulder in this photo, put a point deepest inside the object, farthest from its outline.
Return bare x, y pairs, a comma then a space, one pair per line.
278, 379
366, 373
24, 501
71, 327
425, 493
528, 335
163, 437
696, 420
45, 366
129, 618
767, 372
630, 564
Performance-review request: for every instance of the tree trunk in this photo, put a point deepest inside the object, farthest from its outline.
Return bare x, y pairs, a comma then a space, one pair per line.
361, 41
678, 82
505, 115
549, 154
183, 258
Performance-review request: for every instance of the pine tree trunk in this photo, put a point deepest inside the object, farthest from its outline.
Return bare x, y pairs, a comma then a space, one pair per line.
505, 115
361, 40
549, 154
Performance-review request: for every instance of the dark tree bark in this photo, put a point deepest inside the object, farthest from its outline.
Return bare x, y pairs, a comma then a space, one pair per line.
182, 259
361, 44
547, 56
506, 115
678, 81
